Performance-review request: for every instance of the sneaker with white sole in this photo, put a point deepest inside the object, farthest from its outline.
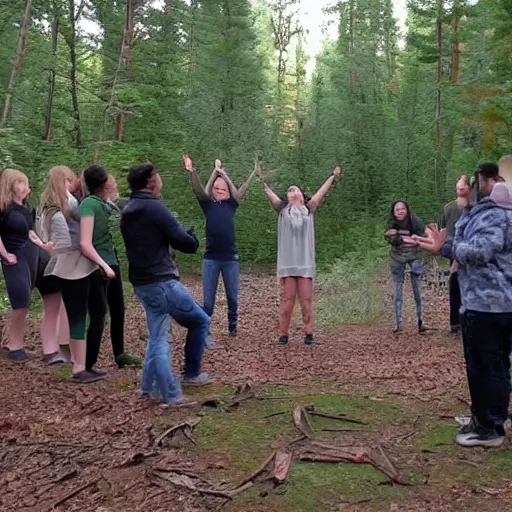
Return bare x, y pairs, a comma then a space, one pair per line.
180, 400
480, 437
464, 421
210, 344
202, 379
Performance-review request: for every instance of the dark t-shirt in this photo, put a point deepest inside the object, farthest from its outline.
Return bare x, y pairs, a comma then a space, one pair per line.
220, 229
14, 227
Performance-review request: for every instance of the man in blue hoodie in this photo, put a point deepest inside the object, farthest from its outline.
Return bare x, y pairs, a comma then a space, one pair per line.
482, 246
149, 229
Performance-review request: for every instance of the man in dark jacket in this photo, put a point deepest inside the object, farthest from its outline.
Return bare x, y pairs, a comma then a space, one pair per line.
148, 229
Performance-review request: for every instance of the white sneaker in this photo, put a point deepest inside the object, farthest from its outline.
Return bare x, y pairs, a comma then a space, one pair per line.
480, 437
182, 399
210, 344
464, 421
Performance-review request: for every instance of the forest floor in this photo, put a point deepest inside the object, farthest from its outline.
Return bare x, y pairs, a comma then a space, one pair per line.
99, 448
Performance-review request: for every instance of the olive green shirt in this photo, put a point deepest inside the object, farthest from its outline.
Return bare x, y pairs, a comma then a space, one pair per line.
451, 214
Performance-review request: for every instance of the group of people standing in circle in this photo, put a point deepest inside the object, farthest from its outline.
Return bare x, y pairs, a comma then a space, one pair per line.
64, 248
475, 234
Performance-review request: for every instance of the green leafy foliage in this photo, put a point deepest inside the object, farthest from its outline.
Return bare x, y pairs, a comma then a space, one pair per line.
207, 78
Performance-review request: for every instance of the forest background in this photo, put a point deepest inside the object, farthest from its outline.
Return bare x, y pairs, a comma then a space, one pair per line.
404, 111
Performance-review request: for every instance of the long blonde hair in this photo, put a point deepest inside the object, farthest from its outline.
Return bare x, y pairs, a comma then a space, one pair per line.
84, 189
55, 195
10, 182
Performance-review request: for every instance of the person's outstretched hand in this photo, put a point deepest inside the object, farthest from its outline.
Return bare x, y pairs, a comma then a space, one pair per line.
261, 175
434, 239
187, 163
337, 171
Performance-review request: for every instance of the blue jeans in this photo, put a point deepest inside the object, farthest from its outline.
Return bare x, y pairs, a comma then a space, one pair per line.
398, 273
161, 302
230, 271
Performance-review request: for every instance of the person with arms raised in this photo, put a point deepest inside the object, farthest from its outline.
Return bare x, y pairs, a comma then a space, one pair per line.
296, 265
219, 202
148, 229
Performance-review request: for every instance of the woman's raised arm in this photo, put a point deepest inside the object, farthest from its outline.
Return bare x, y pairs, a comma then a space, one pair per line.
318, 197
274, 199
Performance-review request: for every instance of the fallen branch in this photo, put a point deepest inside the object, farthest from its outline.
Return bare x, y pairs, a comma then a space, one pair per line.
256, 473
72, 494
293, 441
181, 471
390, 465
186, 482
340, 417
406, 436
274, 414
343, 430
66, 476
301, 421
282, 397
282, 464
360, 458
189, 424
243, 393
136, 458
241, 489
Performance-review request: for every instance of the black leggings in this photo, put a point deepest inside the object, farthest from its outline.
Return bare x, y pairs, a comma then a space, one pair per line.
115, 300
82, 296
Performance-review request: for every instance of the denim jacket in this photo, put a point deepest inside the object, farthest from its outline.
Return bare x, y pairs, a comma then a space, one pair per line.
483, 247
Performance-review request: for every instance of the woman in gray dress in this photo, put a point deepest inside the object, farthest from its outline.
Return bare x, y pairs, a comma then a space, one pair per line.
296, 252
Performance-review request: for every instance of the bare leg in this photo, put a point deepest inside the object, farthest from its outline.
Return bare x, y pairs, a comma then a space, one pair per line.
288, 294
50, 323
78, 349
63, 336
305, 289
17, 324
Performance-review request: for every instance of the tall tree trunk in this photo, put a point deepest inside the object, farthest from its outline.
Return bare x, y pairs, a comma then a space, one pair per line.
282, 20
439, 77
72, 74
51, 75
455, 67
17, 62
125, 60
300, 73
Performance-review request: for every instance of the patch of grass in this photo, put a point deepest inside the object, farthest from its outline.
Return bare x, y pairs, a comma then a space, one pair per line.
347, 293
237, 442
63, 372
242, 436
437, 435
